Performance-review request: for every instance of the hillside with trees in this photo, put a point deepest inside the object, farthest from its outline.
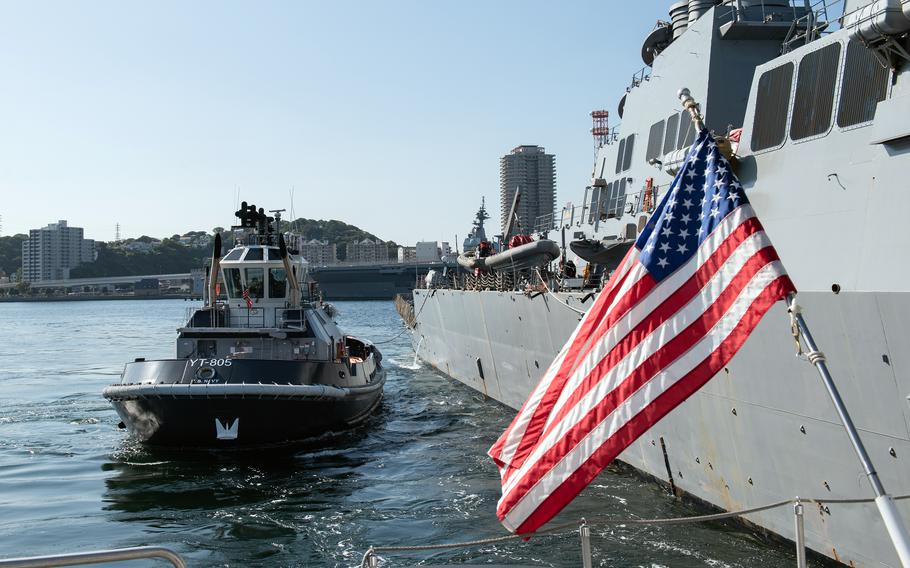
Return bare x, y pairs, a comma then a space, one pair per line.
333, 231
171, 257
11, 253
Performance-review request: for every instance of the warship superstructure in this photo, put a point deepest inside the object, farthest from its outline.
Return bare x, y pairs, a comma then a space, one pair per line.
814, 100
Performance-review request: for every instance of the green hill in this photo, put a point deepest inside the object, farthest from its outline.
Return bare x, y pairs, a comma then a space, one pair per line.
11, 253
337, 232
170, 257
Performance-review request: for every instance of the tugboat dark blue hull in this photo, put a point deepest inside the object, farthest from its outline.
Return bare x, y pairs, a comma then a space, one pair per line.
178, 403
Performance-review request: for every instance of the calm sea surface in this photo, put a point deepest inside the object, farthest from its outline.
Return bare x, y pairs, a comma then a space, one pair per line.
415, 473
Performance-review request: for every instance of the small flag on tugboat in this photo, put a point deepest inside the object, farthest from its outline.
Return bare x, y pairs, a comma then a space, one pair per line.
246, 296
679, 306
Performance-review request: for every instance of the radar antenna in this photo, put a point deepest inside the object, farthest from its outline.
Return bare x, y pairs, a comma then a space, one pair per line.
277, 213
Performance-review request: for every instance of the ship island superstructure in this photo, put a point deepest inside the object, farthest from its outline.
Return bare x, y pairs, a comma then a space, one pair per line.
814, 101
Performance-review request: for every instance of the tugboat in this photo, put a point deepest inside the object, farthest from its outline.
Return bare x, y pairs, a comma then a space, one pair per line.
266, 364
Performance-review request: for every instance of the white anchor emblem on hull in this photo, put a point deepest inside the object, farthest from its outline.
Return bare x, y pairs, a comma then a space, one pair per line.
225, 432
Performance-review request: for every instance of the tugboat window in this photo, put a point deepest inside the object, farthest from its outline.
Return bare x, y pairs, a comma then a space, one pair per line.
771, 101
278, 279
254, 253
274, 254
234, 254
814, 99
865, 85
234, 284
254, 283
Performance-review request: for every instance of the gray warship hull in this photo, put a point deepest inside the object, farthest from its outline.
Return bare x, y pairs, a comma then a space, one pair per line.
823, 155
762, 431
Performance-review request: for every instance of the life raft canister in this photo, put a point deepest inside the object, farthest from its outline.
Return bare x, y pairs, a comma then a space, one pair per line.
519, 240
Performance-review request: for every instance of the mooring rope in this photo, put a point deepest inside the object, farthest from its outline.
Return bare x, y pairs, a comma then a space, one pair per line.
555, 297
406, 328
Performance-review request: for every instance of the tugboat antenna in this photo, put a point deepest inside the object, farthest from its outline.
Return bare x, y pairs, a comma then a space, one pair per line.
277, 213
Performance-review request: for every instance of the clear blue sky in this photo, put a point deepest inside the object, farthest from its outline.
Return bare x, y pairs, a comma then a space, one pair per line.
388, 115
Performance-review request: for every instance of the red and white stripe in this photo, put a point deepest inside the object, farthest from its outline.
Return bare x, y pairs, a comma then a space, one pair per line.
641, 350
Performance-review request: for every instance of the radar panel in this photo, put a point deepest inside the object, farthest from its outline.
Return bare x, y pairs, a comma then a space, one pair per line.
865, 85
814, 100
670, 133
771, 103
655, 141
619, 153
627, 158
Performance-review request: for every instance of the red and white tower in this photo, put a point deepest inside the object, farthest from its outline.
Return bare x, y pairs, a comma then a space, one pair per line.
601, 128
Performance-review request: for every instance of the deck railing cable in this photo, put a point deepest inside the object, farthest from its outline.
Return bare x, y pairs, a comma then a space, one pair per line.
582, 527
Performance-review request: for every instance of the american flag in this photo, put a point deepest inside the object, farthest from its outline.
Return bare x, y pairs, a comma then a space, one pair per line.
681, 303
246, 296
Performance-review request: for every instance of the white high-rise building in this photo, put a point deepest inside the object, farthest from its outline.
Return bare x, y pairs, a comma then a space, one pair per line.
533, 171
50, 252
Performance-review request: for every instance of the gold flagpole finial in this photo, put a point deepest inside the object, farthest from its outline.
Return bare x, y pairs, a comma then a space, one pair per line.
685, 97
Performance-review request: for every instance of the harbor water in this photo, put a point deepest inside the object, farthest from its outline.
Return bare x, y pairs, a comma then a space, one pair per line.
415, 473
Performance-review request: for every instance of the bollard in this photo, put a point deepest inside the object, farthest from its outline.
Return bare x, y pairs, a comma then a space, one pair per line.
585, 533
800, 535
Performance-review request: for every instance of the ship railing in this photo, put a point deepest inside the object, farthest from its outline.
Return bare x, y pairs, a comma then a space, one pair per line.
612, 134
808, 20
640, 76
96, 557
822, 17
544, 223
767, 12
581, 529
254, 318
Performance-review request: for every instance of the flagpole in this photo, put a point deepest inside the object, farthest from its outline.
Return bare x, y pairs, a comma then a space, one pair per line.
885, 503
688, 102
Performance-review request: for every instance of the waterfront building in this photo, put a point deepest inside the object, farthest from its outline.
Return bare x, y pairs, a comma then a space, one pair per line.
50, 252
407, 254
533, 171
367, 251
316, 252
427, 251
147, 287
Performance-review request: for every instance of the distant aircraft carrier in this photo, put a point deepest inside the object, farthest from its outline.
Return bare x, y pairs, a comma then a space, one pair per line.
373, 281
824, 106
